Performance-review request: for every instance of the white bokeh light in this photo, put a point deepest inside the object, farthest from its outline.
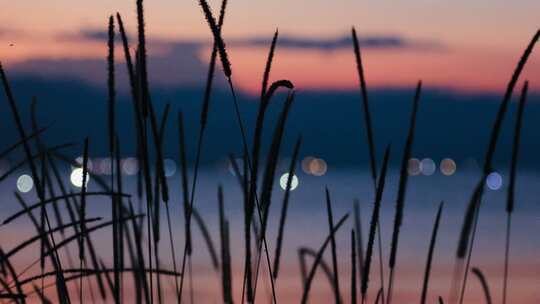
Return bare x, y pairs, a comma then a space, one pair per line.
25, 183
76, 177
283, 181
494, 181
427, 166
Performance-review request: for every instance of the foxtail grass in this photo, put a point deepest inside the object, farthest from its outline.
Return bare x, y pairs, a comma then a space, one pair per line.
495, 132
402, 188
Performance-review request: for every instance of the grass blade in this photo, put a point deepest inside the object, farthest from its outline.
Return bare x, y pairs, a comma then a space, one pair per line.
318, 259
430, 254
365, 103
483, 281
337, 294
373, 225
353, 268
279, 242
402, 188
511, 185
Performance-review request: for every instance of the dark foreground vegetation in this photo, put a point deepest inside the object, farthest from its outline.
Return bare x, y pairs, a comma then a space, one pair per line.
136, 232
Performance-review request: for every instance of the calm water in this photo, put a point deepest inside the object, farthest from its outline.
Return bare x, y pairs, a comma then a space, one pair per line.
307, 226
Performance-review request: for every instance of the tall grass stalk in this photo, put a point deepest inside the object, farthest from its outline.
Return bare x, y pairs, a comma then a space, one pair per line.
335, 269
402, 188
429, 260
371, 142
373, 225
281, 227
493, 143
228, 73
512, 184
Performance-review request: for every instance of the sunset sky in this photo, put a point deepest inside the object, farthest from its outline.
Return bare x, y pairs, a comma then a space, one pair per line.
461, 45
464, 51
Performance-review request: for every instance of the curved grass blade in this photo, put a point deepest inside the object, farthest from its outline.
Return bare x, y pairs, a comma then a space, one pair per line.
304, 251
318, 258
483, 281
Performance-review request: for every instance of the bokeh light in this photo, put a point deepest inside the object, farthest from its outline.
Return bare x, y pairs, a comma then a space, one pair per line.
306, 162
448, 166
494, 181
25, 183
283, 181
318, 167
427, 166
76, 177
413, 166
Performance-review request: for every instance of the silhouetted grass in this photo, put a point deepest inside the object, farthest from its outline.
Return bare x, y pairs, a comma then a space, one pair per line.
430, 254
353, 268
400, 201
335, 277
318, 258
359, 241
128, 226
484, 283
284, 208
495, 131
373, 225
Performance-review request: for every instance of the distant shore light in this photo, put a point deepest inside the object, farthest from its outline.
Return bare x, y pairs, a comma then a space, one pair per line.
448, 166
306, 162
318, 167
25, 183
76, 177
494, 181
427, 166
283, 181
413, 166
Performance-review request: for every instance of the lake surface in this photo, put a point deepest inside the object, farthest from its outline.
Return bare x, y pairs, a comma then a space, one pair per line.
307, 226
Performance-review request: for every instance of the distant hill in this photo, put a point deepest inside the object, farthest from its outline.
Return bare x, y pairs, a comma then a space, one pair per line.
331, 122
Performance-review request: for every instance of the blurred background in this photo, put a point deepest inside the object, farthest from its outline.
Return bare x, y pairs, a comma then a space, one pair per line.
463, 51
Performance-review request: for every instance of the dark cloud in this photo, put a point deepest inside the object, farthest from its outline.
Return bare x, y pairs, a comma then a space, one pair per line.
335, 43
177, 64
293, 41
